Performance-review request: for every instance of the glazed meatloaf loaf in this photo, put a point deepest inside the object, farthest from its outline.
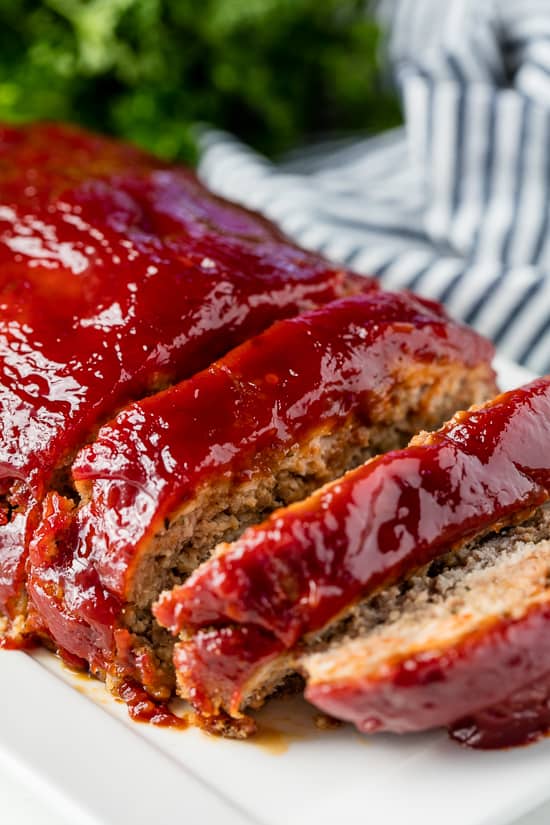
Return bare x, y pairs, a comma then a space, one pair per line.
118, 275
176, 473
305, 590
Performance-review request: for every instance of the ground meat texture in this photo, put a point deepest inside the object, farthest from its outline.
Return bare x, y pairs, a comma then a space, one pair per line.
245, 616
119, 274
176, 473
465, 643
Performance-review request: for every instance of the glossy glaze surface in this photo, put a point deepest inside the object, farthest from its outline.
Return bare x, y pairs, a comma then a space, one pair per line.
143, 709
520, 719
306, 564
229, 421
214, 667
118, 274
303, 565
494, 682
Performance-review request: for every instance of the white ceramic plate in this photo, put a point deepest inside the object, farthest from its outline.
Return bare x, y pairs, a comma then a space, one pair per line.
75, 745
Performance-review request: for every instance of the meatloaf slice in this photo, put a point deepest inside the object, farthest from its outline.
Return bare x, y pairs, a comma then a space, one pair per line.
245, 614
465, 643
119, 274
178, 472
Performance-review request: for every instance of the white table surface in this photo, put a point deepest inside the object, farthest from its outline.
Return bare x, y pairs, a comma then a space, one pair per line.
19, 806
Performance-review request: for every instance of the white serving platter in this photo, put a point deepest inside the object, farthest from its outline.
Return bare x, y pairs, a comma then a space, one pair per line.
76, 747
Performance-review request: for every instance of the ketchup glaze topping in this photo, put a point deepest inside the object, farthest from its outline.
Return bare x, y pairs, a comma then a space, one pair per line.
118, 274
304, 565
492, 689
228, 422
297, 570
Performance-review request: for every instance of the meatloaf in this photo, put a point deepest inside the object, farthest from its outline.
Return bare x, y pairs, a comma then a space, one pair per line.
118, 275
176, 473
290, 593
464, 644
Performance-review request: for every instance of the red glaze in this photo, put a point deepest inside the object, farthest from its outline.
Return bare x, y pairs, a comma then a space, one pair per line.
230, 420
143, 709
502, 668
303, 565
7, 643
208, 687
520, 719
117, 274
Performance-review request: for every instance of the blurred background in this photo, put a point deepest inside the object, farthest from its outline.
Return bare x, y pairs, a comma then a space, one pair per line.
276, 73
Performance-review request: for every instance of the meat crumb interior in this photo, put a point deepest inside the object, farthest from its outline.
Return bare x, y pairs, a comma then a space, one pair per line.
498, 576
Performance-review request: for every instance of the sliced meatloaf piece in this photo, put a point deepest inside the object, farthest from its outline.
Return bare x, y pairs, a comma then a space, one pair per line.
174, 474
245, 615
118, 274
465, 644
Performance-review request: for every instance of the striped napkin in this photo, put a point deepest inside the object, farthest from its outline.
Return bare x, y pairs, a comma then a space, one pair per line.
456, 204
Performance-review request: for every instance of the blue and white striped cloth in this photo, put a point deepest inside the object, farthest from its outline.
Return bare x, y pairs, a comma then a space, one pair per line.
455, 205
